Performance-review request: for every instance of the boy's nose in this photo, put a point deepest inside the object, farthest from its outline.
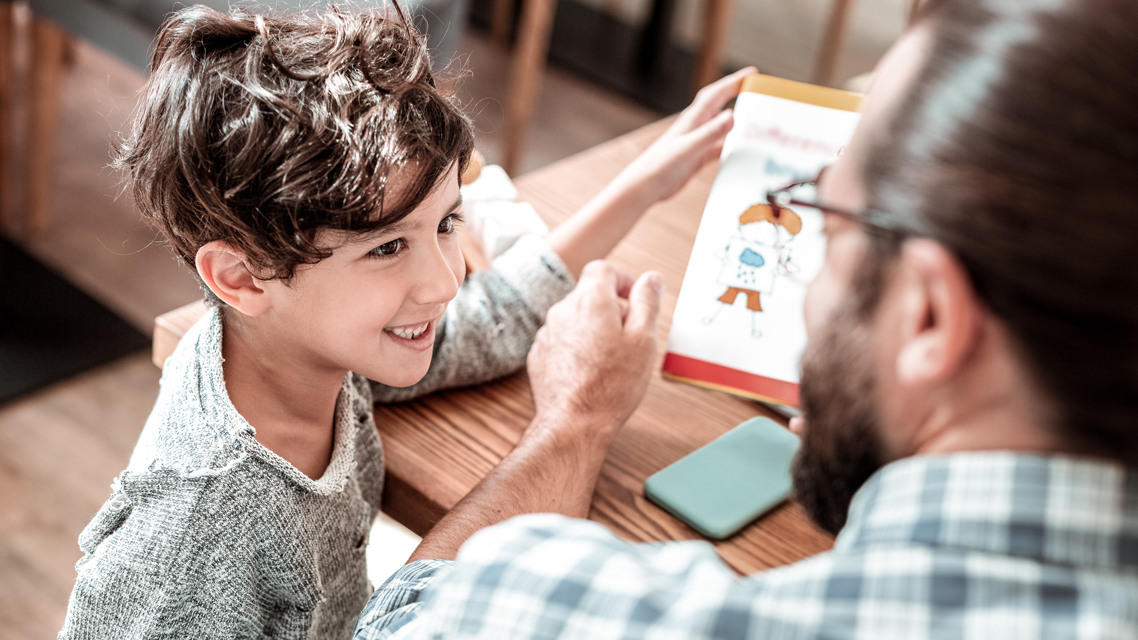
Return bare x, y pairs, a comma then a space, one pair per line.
440, 276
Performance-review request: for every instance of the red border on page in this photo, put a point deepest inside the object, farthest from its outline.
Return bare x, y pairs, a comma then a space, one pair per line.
730, 380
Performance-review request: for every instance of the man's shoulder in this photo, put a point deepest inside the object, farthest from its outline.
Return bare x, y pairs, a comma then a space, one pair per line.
536, 571
572, 548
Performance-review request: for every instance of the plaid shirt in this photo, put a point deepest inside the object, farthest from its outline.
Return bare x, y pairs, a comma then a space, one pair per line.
978, 545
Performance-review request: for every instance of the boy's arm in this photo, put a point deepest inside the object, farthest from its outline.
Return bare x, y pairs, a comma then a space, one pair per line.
693, 139
111, 601
160, 562
121, 584
490, 325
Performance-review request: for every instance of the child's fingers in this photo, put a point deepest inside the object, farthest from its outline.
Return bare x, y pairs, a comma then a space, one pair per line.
711, 98
728, 85
711, 154
710, 133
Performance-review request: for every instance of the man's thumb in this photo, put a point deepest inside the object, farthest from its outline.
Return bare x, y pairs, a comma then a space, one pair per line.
644, 303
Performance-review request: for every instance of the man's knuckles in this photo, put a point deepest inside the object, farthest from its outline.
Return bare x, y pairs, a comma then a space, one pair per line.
597, 272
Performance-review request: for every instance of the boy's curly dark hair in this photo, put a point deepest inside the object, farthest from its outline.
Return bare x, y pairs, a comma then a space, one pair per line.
261, 129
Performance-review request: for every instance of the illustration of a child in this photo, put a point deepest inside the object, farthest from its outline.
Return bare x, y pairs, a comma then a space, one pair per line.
306, 168
757, 252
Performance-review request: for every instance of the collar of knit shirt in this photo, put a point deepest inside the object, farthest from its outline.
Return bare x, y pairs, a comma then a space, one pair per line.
201, 432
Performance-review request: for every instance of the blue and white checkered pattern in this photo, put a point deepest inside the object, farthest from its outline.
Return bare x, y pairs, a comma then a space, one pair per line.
977, 545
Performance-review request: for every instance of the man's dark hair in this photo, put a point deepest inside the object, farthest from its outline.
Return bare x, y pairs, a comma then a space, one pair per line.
1017, 148
261, 129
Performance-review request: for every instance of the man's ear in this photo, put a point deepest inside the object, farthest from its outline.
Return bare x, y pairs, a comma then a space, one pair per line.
223, 269
941, 314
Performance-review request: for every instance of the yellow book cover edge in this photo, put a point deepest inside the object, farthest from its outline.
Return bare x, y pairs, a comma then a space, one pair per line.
802, 92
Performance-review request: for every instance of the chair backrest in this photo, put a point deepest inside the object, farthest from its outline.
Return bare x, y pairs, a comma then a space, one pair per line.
126, 28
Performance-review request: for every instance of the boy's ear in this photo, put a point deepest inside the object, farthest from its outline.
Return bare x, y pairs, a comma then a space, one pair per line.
222, 267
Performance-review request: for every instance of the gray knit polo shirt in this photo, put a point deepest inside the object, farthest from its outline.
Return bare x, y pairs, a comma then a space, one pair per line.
208, 534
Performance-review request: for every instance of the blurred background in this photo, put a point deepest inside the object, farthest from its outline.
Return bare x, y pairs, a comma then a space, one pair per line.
82, 279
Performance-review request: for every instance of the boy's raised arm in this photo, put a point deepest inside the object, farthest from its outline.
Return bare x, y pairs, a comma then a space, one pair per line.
694, 138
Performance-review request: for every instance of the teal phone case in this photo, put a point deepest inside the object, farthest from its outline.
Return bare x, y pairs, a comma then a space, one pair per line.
721, 487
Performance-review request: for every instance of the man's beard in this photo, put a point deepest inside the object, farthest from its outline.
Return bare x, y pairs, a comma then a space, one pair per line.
841, 446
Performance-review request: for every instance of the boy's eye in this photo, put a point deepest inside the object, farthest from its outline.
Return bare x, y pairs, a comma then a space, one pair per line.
447, 225
388, 248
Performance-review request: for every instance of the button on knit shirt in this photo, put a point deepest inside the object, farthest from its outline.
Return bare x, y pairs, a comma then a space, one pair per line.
972, 545
208, 534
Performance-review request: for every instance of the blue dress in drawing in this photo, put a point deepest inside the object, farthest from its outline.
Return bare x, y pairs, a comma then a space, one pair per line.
754, 256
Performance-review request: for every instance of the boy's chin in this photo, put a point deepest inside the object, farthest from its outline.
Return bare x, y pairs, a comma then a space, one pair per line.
407, 377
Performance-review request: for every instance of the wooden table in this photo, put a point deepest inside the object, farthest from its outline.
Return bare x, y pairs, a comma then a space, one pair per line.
439, 446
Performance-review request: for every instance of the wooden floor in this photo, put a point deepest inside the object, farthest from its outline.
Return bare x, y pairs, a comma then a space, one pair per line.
59, 450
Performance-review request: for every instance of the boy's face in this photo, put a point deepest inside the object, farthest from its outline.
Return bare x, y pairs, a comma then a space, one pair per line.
372, 307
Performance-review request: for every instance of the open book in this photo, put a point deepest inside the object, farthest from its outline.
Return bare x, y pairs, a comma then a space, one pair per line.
738, 324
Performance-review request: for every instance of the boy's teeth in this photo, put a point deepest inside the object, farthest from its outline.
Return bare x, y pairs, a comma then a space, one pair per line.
410, 333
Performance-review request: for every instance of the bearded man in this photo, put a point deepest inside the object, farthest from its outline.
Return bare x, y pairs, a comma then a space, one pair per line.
970, 387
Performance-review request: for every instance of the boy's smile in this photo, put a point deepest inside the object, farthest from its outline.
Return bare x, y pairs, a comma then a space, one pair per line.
420, 336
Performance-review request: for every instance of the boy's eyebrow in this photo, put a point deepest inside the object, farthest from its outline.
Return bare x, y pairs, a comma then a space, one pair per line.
456, 205
403, 225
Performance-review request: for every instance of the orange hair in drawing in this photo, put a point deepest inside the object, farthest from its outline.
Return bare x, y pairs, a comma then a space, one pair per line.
764, 213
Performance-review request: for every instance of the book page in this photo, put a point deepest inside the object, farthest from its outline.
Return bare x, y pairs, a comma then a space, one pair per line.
740, 305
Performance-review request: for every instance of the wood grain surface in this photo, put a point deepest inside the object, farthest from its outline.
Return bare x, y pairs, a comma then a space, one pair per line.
438, 447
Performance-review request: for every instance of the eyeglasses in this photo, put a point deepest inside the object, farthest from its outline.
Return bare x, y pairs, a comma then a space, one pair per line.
874, 220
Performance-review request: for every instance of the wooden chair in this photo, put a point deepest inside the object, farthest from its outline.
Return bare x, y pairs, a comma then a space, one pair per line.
7, 35
536, 22
834, 37
49, 49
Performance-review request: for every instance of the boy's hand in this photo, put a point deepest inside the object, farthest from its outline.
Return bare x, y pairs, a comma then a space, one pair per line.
695, 138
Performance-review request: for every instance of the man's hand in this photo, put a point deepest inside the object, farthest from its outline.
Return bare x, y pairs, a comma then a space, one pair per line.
591, 362
589, 368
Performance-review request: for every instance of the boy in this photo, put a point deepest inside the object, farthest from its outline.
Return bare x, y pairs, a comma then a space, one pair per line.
307, 166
